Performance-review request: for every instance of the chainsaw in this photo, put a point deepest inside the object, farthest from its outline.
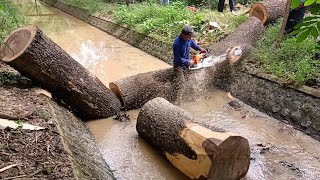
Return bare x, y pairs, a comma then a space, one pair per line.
202, 60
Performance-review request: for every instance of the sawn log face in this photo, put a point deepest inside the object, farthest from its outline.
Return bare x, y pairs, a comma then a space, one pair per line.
45, 62
195, 150
269, 10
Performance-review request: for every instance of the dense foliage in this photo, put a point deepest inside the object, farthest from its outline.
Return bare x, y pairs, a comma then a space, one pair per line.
10, 18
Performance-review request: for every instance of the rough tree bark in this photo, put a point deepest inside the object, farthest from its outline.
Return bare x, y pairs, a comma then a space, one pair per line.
37, 57
136, 90
245, 36
196, 151
269, 10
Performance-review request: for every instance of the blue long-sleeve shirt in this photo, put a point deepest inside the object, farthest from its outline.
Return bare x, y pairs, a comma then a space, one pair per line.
181, 51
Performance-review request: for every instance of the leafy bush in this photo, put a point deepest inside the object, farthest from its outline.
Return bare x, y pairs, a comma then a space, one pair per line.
294, 61
10, 18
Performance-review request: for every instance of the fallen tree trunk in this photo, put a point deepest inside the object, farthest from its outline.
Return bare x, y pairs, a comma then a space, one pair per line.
37, 57
136, 90
196, 151
269, 10
245, 36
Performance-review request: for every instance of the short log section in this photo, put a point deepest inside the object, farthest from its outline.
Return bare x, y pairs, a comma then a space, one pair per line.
196, 151
37, 57
268, 11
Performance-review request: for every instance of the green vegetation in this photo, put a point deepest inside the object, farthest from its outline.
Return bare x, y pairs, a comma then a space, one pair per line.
89, 5
164, 22
10, 18
296, 62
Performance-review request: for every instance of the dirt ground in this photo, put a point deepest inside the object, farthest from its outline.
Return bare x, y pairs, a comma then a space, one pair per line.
32, 154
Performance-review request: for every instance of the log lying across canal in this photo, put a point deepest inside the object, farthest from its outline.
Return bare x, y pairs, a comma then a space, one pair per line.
136, 90
195, 150
37, 57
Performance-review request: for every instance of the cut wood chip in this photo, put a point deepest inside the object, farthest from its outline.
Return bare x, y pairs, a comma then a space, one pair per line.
12, 124
43, 93
8, 167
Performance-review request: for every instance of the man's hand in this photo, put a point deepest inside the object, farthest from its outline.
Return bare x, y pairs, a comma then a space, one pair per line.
191, 62
203, 50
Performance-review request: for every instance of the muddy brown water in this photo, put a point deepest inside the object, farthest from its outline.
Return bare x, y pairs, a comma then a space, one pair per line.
278, 150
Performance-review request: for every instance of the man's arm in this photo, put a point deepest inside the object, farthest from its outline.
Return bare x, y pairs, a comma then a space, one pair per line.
177, 54
195, 46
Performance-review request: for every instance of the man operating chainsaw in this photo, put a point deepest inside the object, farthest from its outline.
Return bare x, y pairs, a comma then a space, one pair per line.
181, 57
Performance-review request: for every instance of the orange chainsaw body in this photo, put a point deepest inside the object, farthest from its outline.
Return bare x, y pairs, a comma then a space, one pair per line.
198, 57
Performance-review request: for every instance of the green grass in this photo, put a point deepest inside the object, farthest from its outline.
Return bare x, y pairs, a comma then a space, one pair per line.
10, 18
163, 22
296, 62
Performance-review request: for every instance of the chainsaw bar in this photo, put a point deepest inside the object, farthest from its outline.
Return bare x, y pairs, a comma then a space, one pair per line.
212, 60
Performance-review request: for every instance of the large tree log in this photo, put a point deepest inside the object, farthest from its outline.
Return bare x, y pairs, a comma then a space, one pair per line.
245, 36
269, 10
136, 90
37, 57
196, 151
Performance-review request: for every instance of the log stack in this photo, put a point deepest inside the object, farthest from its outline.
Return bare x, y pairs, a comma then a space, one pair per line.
37, 57
198, 152
269, 10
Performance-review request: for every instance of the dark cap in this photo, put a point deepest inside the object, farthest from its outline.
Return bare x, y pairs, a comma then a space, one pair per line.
188, 30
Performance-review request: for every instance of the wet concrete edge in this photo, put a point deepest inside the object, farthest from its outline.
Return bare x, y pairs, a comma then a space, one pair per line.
80, 144
298, 106
271, 95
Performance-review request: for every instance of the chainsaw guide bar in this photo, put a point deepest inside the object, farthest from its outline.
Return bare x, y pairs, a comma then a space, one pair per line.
212, 60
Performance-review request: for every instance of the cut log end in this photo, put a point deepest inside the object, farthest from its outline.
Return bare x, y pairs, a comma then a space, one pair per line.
117, 91
259, 11
196, 151
234, 54
19, 40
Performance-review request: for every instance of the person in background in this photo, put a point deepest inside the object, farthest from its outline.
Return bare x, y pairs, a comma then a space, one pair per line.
231, 6
164, 2
181, 57
295, 16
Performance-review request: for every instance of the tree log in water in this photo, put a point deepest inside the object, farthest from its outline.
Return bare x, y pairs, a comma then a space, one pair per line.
196, 151
269, 10
37, 57
136, 90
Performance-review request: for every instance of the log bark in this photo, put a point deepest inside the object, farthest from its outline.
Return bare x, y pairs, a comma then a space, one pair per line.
37, 57
269, 10
195, 150
245, 36
136, 90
